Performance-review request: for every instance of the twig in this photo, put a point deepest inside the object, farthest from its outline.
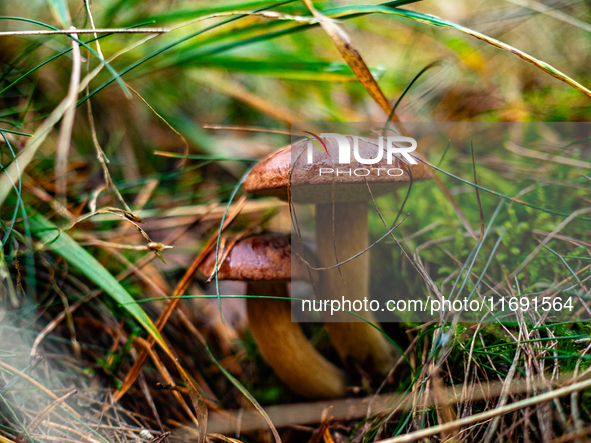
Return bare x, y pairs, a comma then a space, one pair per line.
505, 393
434, 430
532, 153
43, 414
170, 307
124, 274
248, 128
354, 408
166, 375
65, 135
89, 31
38, 386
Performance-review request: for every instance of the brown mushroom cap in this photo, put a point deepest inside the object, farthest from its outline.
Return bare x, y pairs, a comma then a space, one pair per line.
259, 257
264, 261
270, 177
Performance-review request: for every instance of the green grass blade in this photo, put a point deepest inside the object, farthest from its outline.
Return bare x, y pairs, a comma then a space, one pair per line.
436, 21
80, 259
166, 48
259, 33
278, 68
391, 8
116, 77
16, 132
244, 392
205, 9
59, 54
336, 13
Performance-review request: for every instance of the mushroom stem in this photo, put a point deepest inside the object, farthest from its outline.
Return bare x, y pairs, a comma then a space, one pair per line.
285, 347
356, 342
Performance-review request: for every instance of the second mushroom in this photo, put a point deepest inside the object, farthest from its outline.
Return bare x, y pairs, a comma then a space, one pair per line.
264, 262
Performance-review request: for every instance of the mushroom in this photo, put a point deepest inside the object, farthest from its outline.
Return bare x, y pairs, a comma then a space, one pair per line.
356, 342
264, 262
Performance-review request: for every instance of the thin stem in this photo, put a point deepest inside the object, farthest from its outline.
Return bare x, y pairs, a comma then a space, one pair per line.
88, 31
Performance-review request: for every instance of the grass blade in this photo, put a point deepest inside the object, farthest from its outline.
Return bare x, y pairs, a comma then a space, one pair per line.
166, 48
436, 21
116, 77
78, 257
